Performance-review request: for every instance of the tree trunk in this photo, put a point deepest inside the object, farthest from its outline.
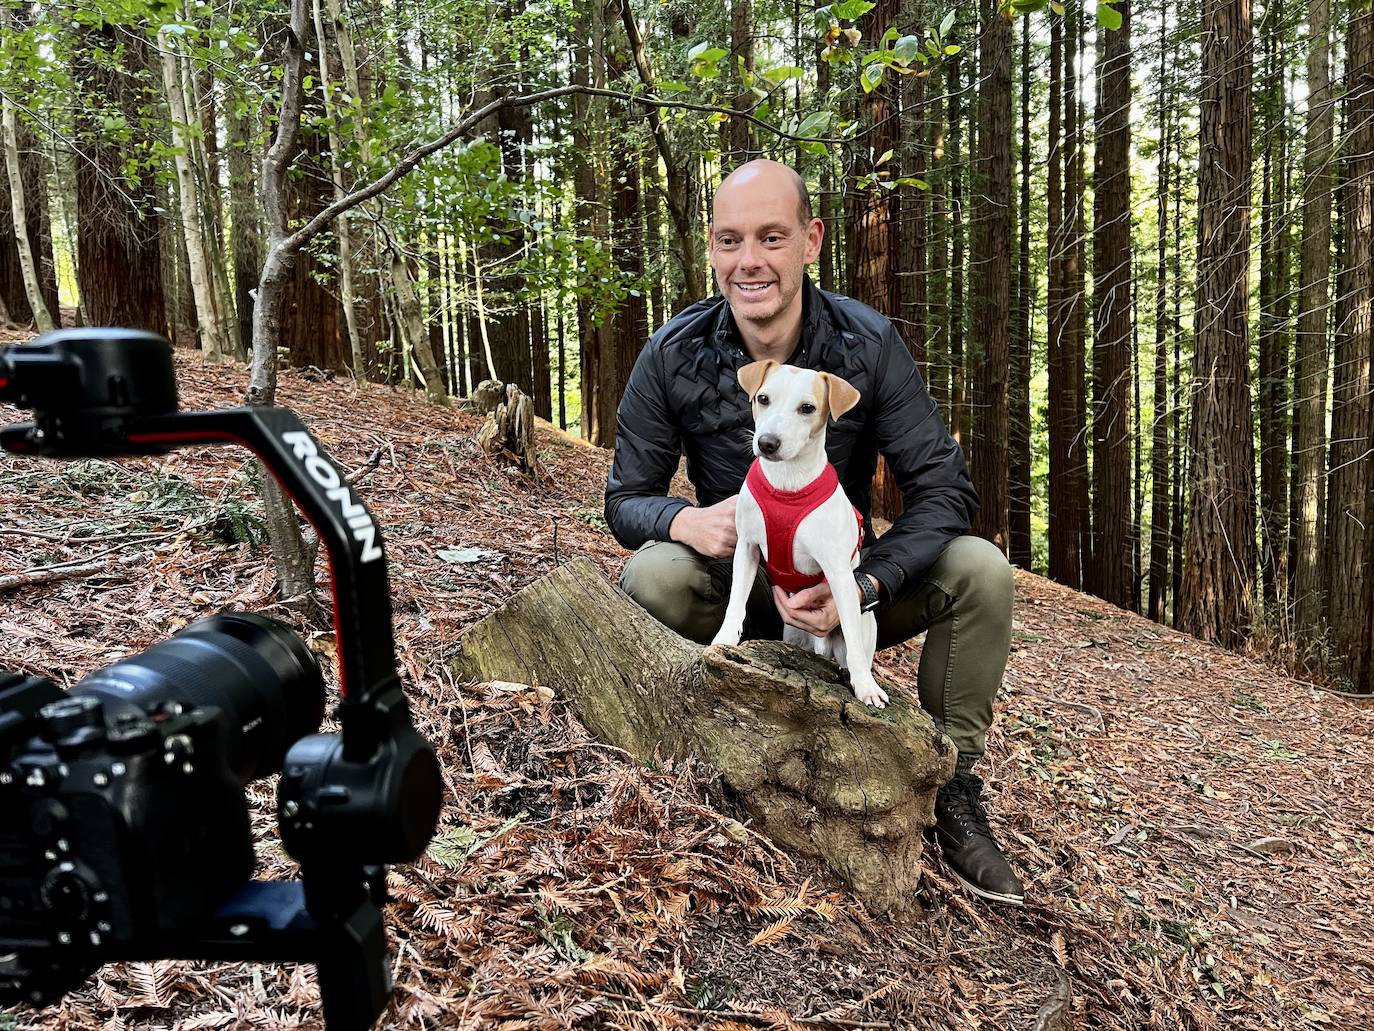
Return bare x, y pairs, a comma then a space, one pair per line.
119, 253
209, 322
341, 230
1074, 300
821, 774
1310, 366
1064, 563
743, 145
1219, 557
411, 323
1273, 339
1158, 605
19, 215
1112, 287
958, 402
1349, 510
991, 262
1019, 477
245, 214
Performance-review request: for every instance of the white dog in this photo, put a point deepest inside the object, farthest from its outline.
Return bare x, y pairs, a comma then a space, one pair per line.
793, 512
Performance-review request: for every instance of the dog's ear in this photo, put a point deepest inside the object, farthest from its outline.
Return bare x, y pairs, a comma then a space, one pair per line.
842, 397
751, 376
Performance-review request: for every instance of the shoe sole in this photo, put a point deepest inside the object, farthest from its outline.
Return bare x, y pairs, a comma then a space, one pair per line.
991, 896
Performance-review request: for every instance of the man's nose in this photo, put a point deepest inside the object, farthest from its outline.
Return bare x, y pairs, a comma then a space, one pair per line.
749, 256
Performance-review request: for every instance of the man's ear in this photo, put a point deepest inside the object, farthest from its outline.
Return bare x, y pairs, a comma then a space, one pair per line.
841, 396
751, 376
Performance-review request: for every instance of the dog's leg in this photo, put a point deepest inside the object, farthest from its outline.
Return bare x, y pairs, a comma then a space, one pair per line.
745, 566
858, 646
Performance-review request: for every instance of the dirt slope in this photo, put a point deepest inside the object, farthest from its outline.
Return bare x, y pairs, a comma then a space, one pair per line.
1195, 831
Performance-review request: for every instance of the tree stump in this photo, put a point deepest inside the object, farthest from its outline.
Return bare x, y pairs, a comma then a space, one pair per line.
820, 773
487, 395
509, 428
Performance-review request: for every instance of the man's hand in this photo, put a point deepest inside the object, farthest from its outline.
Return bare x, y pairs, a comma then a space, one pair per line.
709, 531
812, 610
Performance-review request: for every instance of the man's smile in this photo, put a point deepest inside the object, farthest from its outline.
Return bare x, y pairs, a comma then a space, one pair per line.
752, 288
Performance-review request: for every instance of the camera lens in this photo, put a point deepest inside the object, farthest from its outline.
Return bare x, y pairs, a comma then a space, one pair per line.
256, 671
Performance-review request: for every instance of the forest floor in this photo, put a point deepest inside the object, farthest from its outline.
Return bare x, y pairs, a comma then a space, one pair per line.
1195, 831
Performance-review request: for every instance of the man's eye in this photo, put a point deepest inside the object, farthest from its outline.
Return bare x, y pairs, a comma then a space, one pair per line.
807, 408
762, 399
773, 239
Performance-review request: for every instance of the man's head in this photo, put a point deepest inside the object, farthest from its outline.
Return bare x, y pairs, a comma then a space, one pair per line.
763, 236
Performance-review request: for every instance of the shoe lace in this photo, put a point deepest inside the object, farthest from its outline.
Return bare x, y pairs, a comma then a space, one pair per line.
964, 801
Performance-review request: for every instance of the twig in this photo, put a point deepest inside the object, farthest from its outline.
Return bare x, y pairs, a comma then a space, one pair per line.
52, 574
1091, 710
373, 460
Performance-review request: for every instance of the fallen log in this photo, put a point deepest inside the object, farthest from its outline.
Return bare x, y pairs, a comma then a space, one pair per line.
820, 773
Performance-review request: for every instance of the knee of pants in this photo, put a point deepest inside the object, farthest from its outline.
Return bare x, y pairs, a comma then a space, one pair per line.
978, 575
674, 584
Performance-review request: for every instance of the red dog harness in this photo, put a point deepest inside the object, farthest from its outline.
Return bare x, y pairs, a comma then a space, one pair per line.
783, 511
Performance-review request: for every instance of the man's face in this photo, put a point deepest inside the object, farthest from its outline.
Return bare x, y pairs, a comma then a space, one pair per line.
760, 247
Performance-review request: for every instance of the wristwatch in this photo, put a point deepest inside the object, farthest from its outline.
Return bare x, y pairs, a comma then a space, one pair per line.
869, 587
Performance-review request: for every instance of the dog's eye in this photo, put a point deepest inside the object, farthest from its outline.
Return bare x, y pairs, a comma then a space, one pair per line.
807, 408
762, 399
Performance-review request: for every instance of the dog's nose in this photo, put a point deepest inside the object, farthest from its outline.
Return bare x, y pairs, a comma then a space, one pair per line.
769, 444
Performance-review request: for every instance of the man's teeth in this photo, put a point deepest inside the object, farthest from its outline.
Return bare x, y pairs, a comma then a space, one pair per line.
752, 288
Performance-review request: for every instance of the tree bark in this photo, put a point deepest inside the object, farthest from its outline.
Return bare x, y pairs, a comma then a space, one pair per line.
1112, 287
991, 263
743, 144
1019, 474
1158, 605
245, 214
1310, 366
1074, 299
19, 215
1064, 563
1219, 557
209, 322
1349, 509
821, 774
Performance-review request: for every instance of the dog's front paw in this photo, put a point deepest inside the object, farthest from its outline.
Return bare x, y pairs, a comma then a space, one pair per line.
726, 637
869, 693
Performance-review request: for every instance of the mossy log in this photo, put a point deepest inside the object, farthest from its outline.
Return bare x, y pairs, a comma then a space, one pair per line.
820, 773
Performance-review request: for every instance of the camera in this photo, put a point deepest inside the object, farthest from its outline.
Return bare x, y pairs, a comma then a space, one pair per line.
124, 824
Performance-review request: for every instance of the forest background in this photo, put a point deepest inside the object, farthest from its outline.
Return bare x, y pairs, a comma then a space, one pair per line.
1131, 247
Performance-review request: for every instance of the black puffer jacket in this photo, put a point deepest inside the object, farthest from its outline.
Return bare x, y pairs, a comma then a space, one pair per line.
683, 396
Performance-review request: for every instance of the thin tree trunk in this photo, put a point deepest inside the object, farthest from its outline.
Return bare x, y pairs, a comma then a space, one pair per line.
992, 279
1112, 286
1157, 607
208, 321
1219, 557
1064, 563
341, 231
19, 210
1074, 291
743, 145
1310, 367
244, 218
1349, 509
1019, 485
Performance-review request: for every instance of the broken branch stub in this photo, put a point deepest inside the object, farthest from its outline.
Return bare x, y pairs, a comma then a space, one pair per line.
820, 773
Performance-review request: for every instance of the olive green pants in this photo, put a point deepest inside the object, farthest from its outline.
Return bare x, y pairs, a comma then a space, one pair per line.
963, 603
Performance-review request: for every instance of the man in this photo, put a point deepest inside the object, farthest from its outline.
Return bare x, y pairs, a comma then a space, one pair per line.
923, 574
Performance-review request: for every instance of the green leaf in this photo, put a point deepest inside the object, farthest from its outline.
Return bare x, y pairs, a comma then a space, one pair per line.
706, 52
815, 124
851, 9
911, 180
952, 49
1057, 8
673, 86
888, 36
871, 77
906, 49
1109, 18
947, 24
884, 159
818, 149
783, 72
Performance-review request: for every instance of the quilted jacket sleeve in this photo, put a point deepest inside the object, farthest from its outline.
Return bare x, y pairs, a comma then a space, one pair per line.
938, 498
648, 445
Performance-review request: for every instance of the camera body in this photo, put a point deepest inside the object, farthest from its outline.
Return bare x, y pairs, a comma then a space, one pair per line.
124, 825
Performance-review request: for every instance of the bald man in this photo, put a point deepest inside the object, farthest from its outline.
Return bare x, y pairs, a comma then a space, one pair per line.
923, 574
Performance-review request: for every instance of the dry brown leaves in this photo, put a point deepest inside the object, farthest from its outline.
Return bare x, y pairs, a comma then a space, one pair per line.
1195, 831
